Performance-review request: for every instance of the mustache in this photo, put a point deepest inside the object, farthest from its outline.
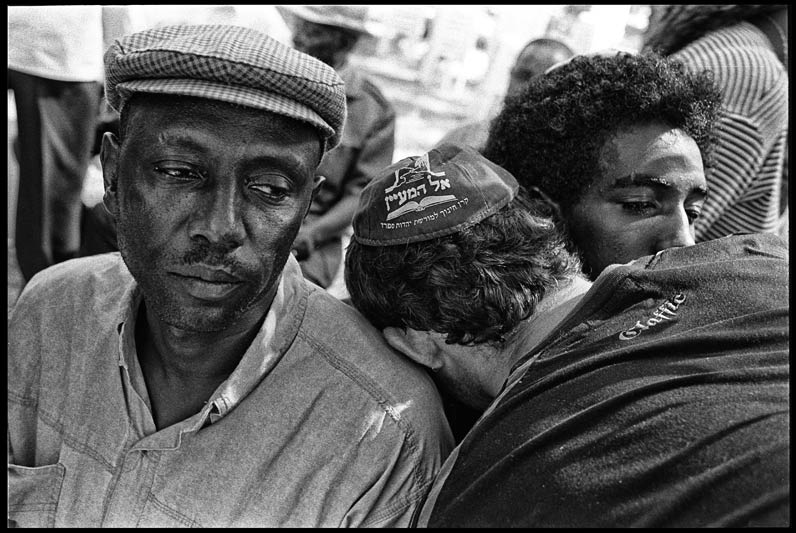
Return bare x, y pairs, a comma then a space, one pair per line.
214, 255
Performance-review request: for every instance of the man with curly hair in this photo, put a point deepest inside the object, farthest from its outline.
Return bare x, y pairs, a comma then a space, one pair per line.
472, 284
619, 144
656, 396
746, 48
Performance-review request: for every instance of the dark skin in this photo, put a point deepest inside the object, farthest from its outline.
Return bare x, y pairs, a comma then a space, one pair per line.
650, 191
178, 386
208, 198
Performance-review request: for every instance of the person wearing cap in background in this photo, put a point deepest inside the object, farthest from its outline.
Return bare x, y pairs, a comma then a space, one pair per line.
619, 144
196, 378
532, 61
330, 33
656, 396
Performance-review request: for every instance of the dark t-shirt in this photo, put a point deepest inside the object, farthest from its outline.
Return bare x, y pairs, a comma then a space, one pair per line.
662, 400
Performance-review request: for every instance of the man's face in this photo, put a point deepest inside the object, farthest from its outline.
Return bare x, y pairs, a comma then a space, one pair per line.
651, 189
319, 41
468, 374
473, 374
208, 199
532, 62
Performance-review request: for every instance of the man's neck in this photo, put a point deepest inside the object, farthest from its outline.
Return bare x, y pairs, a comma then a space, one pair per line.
191, 354
182, 368
549, 313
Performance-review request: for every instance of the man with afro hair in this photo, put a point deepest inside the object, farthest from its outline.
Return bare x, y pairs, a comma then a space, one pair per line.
619, 145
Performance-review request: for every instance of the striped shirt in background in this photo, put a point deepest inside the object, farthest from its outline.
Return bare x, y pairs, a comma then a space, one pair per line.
752, 135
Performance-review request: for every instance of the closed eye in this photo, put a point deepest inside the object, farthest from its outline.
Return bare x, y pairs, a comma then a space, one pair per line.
179, 172
270, 190
640, 208
271, 187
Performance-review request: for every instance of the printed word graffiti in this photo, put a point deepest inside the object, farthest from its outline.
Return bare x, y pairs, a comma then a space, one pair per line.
666, 311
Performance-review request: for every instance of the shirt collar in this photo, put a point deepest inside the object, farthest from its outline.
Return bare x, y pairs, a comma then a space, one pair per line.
125, 324
279, 329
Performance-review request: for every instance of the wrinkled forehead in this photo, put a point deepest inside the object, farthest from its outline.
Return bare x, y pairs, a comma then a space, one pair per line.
156, 111
653, 149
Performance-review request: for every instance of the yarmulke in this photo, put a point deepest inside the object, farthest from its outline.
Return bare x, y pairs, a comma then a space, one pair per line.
231, 64
428, 196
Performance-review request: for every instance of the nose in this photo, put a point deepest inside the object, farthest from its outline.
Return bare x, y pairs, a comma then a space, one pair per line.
219, 218
678, 231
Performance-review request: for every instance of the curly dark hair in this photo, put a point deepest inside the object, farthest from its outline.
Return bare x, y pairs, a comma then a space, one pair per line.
550, 135
475, 286
671, 27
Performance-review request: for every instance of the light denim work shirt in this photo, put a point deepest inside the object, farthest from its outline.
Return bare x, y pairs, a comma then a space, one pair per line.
320, 425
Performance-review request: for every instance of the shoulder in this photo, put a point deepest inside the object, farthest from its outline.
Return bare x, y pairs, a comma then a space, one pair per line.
345, 334
80, 291
358, 352
732, 249
97, 276
363, 91
63, 319
733, 53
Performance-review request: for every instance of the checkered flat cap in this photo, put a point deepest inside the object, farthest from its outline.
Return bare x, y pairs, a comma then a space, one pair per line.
228, 63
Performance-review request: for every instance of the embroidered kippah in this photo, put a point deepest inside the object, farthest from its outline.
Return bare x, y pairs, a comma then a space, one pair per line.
435, 194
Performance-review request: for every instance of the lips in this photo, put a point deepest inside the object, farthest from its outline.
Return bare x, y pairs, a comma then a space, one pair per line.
207, 274
206, 283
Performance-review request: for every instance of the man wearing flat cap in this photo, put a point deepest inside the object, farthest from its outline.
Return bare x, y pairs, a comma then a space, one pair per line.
330, 33
195, 378
656, 396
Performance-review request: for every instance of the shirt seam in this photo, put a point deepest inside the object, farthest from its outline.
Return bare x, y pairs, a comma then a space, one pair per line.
78, 446
172, 513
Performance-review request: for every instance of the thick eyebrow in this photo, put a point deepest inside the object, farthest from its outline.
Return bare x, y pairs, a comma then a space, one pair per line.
285, 162
168, 138
650, 180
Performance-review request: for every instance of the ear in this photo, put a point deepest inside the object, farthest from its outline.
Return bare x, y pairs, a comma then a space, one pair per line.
109, 156
420, 346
